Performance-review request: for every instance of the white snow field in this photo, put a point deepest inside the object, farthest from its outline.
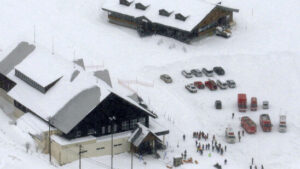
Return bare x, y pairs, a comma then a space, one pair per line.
262, 56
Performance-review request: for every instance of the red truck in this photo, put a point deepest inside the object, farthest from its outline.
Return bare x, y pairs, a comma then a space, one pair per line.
265, 122
242, 102
211, 85
248, 125
253, 105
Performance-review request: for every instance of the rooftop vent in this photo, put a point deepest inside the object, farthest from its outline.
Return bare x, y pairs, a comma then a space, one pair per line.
125, 2
141, 6
163, 12
179, 16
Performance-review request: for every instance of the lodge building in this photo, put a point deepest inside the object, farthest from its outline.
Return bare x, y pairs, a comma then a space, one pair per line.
47, 90
182, 20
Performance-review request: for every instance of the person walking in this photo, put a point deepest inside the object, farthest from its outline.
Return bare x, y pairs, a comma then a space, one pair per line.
183, 137
243, 132
232, 115
255, 167
262, 167
225, 161
225, 148
252, 161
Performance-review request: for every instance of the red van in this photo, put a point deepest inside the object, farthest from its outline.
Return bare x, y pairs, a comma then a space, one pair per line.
265, 122
242, 102
248, 125
253, 105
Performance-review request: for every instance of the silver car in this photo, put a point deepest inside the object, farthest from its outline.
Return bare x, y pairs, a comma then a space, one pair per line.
208, 73
166, 78
265, 105
186, 74
222, 85
231, 84
196, 72
191, 88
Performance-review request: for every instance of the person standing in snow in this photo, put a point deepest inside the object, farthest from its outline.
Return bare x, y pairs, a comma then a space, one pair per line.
252, 160
183, 137
225, 161
232, 115
243, 132
262, 167
239, 138
250, 166
255, 167
225, 148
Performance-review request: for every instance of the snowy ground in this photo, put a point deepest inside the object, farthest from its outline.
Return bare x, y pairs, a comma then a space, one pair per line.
262, 56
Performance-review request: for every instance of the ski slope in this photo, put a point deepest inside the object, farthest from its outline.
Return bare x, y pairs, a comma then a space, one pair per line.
262, 56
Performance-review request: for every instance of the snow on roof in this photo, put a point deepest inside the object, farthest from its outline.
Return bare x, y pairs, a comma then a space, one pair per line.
43, 67
31, 124
196, 10
140, 134
48, 104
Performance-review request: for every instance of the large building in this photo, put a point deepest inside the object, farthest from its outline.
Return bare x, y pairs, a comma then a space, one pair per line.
78, 105
178, 19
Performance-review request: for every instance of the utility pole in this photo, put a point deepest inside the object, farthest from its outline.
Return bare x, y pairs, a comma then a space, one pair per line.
49, 140
79, 153
131, 159
112, 118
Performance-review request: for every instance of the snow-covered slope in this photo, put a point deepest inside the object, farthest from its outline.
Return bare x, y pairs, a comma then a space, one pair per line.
262, 56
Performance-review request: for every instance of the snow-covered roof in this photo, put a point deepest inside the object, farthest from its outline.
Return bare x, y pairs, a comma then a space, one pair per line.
140, 134
43, 67
61, 95
195, 10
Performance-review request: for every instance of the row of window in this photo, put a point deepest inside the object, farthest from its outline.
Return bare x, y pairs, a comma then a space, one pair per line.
126, 125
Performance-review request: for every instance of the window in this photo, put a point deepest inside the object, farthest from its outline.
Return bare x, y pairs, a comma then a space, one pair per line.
91, 131
100, 148
109, 129
116, 145
78, 133
142, 120
133, 123
125, 125
103, 130
115, 127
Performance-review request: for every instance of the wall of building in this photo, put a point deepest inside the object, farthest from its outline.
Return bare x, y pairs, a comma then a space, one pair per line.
17, 112
68, 153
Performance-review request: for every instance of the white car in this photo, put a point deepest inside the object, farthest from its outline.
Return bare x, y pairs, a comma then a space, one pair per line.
229, 134
221, 31
191, 88
186, 74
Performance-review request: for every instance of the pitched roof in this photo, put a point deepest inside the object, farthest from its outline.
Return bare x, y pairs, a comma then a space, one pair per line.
139, 135
195, 9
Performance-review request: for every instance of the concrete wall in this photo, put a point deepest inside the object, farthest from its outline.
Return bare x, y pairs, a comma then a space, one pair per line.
67, 153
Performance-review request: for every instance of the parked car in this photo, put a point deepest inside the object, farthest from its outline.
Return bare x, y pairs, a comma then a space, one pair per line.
166, 78
196, 72
248, 125
199, 85
242, 102
186, 74
221, 31
211, 85
253, 105
191, 88
229, 135
222, 85
208, 73
265, 122
231, 83
265, 105
282, 123
218, 104
219, 70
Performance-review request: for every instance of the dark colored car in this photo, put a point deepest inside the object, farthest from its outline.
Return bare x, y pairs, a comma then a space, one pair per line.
218, 104
231, 83
219, 70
